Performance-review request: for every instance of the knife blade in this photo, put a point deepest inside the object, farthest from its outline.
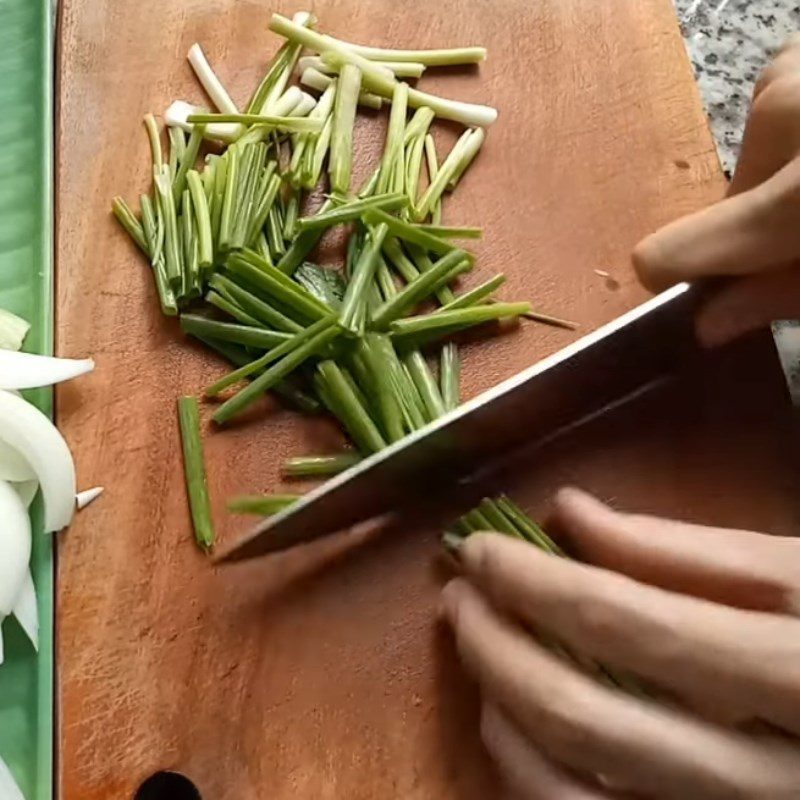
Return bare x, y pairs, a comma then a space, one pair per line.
578, 382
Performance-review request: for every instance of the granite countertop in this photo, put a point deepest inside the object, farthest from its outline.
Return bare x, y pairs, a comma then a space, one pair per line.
729, 41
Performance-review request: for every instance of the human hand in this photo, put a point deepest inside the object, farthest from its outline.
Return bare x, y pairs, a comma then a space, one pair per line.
755, 231
706, 615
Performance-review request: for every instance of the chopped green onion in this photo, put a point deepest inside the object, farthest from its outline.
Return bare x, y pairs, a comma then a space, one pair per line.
476, 295
450, 376
191, 282
346, 212
445, 269
447, 57
202, 220
303, 244
187, 162
209, 81
410, 233
452, 231
557, 322
13, 330
129, 221
248, 335
154, 235
265, 203
276, 372
393, 150
166, 203
195, 471
177, 147
456, 162
261, 505
344, 113
473, 144
293, 124
527, 527
445, 322
423, 379
318, 466
155, 142
418, 124
432, 162
338, 395
227, 305
254, 306
316, 79
233, 156
353, 314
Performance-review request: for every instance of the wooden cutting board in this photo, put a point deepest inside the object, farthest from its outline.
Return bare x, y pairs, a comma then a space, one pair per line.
321, 674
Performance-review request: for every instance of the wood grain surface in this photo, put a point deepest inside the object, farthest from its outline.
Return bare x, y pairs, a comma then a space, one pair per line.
321, 674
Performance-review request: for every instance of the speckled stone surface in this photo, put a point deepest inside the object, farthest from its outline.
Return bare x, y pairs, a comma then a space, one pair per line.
729, 41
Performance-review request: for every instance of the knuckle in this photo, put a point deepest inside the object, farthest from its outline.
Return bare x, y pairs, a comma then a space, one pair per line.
597, 616
564, 724
777, 94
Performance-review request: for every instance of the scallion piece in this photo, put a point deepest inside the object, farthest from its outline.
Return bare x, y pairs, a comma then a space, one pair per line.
154, 138
423, 379
247, 335
254, 306
410, 233
187, 162
316, 79
302, 245
340, 398
346, 212
353, 314
292, 124
476, 295
227, 217
128, 220
264, 206
262, 505
456, 162
450, 376
432, 161
154, 237
444, 322
444, 270
227, 305
166, 203
393, 149
177, 147
319, 466
452, 231
195, 472
267, 379
344, 114
205, 245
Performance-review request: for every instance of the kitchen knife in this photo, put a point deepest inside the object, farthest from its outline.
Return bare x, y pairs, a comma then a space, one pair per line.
600, 370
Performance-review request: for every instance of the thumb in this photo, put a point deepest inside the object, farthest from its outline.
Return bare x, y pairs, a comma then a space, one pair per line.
749, 304
751, 232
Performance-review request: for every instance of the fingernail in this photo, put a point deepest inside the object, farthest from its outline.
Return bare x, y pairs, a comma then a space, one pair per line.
452, 544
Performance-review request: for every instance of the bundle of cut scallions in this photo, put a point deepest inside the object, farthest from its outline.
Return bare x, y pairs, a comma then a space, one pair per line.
228, 241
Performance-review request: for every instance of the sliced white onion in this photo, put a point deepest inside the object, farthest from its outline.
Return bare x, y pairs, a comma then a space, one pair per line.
305, 106
88, 496
15, 551
26, 611
27, 430
8, 786
28, 371
26, 491
13, 330
285, 105
13, 465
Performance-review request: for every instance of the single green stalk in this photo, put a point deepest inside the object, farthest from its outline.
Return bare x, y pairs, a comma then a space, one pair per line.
277, 247
291, 218
477, 522
380, 388
166, 201
247, 335
342, 401
471, 149
450, 376
347, 212
226, 223
284, 348
445, 322
192, 281
432, 162
303, 244
385, 281
265, 313
177, 147
410, 233
393, 149
527, 527
265, 203
474, 296
195, 472
127, 218
319, 466
426, 384
272, 282
344, 114
202, 219
418, 125
497, 519
166, 296
288, 124
402, 264
452, 231
414, 153
446, 172
275, 373
262, 505
154, 138
413, 293
317, 157
218, 204
353, 311
231, 308
546, 319
188, 161
257, 182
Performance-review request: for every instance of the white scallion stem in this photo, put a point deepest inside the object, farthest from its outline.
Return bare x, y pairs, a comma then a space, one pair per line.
375, 79
471, 148
314, 79
8, 786
28, 371
26, 612
446, 171
13, 330
446, 57
210, 82
344, 114
393, 149
179, 112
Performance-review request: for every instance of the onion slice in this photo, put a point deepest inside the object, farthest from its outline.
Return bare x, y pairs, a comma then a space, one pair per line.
15, 551
26, 611
27, 430
13, 465
8, 786
29, 371
26, 490
13, 330
88, 496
